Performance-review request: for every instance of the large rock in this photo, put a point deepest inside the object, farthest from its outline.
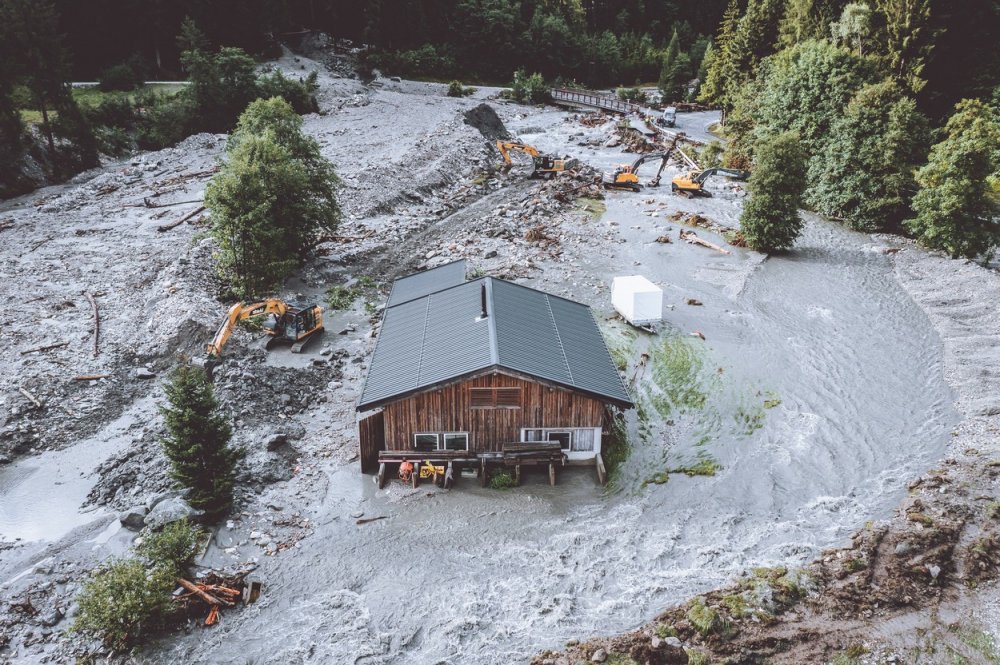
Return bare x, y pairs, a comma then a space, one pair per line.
169, 511
134, 518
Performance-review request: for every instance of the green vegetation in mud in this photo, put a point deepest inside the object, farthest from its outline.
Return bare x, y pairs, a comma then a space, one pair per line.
616, 450
620, 659
981, 642
253, 324
677, 365
502, 480
749, 417
593, 207
993, 510
665, 630
340, 296
704, 466
696, 657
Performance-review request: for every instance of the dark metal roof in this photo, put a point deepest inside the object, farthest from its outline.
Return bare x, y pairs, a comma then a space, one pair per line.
424, 283
439, 336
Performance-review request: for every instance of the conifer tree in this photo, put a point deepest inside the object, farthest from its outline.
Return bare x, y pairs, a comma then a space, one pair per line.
720, 82
669, 60
197, 441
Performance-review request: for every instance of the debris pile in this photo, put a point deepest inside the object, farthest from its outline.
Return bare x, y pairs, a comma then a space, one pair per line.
632, 140
215, 590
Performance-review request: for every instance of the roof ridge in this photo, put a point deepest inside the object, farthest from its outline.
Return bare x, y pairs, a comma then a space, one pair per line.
562, 348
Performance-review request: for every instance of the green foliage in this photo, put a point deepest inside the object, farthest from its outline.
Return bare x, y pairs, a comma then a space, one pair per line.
865, 174
993, 510
770, 220
340, 297
704, 466
906, 40
456, 89
197, 441
722, 72
696, 657
502, 480
300, 94
119, 77
802, 89
756, 35
854, 27
706, 620
667, 85
123, 602
529, 89
271, 200
634, 95
222, 84
173, 547
956, 208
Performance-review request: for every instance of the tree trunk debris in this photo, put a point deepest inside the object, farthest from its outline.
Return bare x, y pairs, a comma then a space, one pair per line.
172, 225
692, 237
97, 323
47, 347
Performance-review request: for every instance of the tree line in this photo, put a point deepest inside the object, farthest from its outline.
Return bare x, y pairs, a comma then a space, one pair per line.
847, 103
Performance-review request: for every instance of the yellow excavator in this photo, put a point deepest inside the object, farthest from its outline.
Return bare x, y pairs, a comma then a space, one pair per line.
626, 176
692, 183
545, 166
285, 322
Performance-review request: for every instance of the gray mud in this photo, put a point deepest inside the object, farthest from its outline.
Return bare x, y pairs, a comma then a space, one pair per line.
480, 576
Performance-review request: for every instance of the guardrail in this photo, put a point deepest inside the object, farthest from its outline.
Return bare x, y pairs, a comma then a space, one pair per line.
592, 99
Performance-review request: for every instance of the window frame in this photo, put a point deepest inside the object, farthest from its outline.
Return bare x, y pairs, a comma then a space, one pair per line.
494, 401
443, 441
436, 435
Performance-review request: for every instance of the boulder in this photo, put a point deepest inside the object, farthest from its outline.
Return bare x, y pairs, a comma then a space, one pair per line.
144, 373
276, 440
134, 518
50, 617
599, 656
169, 511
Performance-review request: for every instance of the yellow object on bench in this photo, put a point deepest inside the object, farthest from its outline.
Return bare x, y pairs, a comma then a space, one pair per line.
429, 471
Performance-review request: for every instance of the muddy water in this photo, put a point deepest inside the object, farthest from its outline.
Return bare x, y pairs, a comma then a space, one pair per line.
851, 373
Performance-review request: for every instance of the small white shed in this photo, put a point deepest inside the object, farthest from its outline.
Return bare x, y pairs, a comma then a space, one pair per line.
638, 300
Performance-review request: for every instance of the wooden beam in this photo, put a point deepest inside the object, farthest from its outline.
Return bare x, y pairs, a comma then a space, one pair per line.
602, 472
517, 475
380, 478
482, 472
552, 474
415, 476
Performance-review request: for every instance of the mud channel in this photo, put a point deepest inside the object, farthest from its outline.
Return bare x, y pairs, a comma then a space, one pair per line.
815, 394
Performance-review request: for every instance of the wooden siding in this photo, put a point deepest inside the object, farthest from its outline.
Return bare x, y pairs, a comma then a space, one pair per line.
448, 409
371, 432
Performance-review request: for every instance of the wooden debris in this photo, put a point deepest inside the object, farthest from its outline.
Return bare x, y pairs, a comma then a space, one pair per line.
698, 334
47, 347
34, 400
152, 204
91, 377
366, 520
97, 323
199, 590
39, 243
172, 225
694, 301
692, 237
665, 240
6, 224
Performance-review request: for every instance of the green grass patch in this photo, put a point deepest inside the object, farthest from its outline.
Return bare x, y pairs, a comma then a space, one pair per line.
855, 565
696, 657
993, 510
593, 207
665, 630
677, 366
340, 297
706, 620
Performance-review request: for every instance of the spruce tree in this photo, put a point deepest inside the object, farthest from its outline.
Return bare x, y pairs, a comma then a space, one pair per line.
721, 78
667, 70
197, 441
955, 207
770, 220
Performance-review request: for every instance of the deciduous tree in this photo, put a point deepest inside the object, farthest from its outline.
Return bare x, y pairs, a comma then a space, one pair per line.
956, 206
770, 219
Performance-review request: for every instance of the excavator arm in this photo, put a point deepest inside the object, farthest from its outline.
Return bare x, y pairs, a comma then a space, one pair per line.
718, 170
505, 147
240, 312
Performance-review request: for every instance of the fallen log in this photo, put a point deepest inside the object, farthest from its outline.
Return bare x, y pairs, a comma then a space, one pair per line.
91, 377
198, 591
692, 237
366, 520
151, 204
172, 225
34, 400
97, 322
47, 347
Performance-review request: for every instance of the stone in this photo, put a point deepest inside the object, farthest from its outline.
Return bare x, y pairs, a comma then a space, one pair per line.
599, 656
144, 373
903, 548
169, 511
490, 254
134, 518
672, 641
50, 617
656, 642
934, 571
276, 440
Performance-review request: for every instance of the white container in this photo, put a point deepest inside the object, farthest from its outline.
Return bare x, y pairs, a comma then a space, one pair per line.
638, 300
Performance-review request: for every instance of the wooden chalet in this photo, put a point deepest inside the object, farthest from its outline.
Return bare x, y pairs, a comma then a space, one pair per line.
485, 372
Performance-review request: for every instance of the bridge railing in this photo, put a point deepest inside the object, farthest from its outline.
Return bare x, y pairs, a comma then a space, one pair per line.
596, 100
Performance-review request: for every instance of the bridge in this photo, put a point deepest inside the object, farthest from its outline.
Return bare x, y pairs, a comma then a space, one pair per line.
589, 98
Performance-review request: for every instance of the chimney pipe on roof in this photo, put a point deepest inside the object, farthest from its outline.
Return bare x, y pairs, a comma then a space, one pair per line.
482, 297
